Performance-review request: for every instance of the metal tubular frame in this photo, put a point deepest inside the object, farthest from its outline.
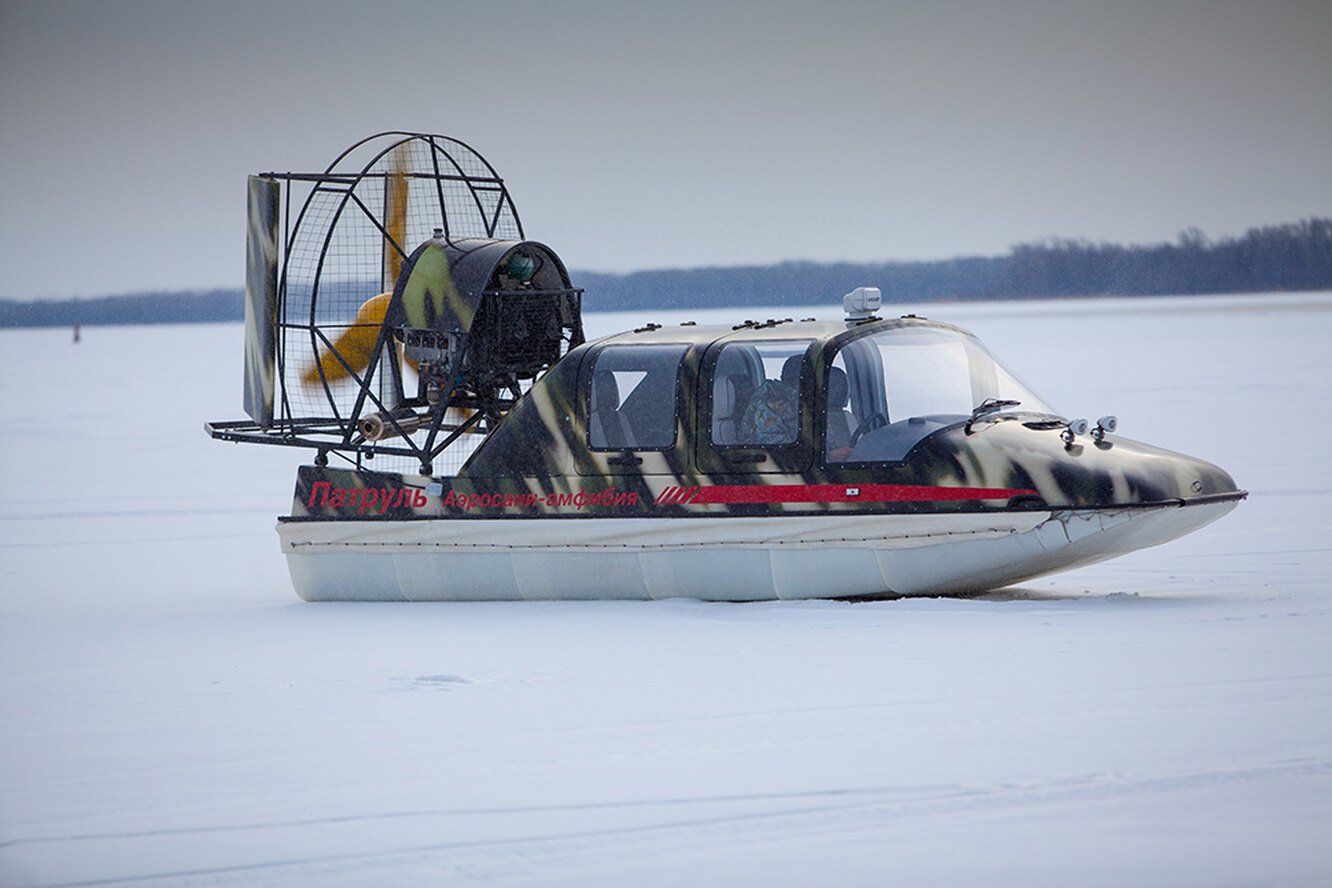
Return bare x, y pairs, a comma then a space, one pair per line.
337, 433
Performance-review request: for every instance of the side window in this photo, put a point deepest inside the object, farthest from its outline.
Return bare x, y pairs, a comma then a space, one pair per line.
857, 404
890, 390
756, 394
632, 397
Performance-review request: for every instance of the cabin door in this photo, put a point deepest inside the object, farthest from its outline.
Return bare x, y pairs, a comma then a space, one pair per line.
632, 395
755, 401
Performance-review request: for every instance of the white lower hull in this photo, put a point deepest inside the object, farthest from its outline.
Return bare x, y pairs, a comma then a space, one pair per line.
720, 559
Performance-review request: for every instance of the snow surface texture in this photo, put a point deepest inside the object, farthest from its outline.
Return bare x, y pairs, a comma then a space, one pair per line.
171, 714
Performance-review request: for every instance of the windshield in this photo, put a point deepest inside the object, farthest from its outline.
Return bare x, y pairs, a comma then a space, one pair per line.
889, 390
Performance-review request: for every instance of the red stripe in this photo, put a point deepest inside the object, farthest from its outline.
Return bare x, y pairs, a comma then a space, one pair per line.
850, 493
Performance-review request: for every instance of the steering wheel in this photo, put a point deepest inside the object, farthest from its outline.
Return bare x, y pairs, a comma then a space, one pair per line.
872, 422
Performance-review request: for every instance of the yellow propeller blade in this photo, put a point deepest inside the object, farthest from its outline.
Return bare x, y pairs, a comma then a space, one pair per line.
356, 344
395, 214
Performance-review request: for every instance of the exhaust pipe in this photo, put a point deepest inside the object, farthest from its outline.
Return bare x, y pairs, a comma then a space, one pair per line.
380, 425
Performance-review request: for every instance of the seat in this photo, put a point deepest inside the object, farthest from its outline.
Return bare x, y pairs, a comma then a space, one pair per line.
730, 396
840, 420
608, 428
791, 370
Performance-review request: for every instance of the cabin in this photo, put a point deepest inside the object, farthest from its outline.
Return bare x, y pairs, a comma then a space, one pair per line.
772, 397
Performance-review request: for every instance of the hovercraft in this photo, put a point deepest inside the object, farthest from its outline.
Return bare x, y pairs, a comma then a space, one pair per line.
470, 445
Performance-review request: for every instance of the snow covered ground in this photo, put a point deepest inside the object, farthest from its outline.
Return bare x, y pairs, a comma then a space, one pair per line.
171, 714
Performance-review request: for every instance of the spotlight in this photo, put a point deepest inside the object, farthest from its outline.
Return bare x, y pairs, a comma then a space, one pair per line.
1073, 429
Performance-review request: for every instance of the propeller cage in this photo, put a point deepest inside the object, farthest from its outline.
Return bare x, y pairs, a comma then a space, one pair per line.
394, 291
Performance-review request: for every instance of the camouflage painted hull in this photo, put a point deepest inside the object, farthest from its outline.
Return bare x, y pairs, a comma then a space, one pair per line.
928, 502
970, 510
722, 559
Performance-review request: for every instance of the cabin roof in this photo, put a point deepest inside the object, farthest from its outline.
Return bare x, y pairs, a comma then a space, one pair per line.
756, 331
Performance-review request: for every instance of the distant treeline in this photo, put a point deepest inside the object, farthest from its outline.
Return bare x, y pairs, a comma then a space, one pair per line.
1280, 257
160, 307
1297, 256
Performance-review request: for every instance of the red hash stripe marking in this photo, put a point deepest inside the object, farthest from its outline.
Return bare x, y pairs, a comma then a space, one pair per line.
677, 496
850, 493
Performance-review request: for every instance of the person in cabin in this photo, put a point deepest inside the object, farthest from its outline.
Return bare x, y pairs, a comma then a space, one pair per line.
773, 414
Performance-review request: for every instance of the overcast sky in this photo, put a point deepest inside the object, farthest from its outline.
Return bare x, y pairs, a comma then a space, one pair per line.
664, 134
